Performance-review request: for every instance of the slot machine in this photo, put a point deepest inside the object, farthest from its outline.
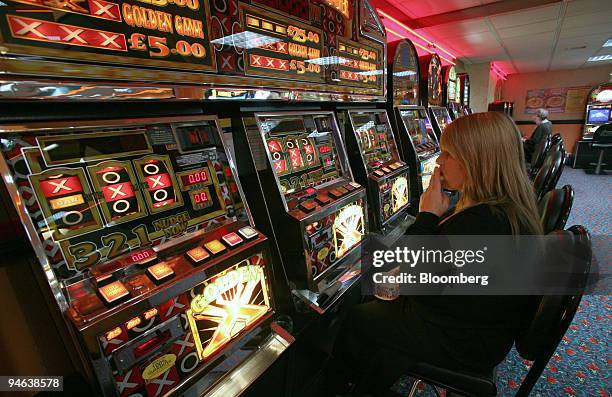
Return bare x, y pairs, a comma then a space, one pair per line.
376, 164
432, 96
124, 152
316, 208
422, 147
598, 112
147, 246
414, 133
452, 92
464, 89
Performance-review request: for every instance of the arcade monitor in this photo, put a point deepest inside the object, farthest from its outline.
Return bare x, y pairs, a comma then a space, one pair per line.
142, 232
375, 162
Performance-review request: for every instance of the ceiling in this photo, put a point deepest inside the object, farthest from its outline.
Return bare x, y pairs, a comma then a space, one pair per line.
521, 36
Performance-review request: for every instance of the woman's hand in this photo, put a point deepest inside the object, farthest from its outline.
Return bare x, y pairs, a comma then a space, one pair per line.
434, 200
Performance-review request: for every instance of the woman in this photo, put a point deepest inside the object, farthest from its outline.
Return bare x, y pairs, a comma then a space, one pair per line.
482, 158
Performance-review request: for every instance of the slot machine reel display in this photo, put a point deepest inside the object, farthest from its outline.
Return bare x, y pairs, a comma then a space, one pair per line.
440, 118
147, 244
375, 162
316, 209
419, 142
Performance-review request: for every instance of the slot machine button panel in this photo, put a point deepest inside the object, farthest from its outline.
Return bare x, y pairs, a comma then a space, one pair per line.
160, 272
232, 239
197, 255
247, 232
308, 206
335, 194
322, 199
342, 190
215, 247
114, 293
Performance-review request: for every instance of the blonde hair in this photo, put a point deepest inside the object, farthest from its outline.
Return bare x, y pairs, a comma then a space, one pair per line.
489, 147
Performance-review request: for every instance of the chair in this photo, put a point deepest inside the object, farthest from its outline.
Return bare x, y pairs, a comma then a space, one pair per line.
538, 156
548, 176
556, 139
555, 208
553, 315
537, 341
602, 140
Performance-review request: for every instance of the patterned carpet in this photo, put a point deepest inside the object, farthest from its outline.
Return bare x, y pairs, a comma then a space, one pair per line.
582, 365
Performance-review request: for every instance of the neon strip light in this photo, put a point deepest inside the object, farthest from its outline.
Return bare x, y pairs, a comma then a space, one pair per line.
414, 33
500, 73
417, 44
404, 37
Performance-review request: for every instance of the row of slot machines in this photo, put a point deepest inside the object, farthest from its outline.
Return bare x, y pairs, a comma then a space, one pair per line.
154, 254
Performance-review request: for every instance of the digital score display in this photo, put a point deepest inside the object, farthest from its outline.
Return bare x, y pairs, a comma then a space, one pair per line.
194, 178
192, 138
363, 64
166, 33
276, 46
300, 155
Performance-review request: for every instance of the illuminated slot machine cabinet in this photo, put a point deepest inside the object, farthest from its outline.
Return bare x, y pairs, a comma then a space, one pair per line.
452, 93
316, 210
148, 247
598, 112
464, 89
420, 146
432, 92
375, 162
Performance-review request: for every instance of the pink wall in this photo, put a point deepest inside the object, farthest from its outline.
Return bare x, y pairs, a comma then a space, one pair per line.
516, 87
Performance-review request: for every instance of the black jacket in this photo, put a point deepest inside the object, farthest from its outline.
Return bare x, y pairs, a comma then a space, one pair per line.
540, 132
470, 328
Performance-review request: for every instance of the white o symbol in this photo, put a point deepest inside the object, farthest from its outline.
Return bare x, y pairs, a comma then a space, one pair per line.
78, 219
122, 210
151, 169
185, 369
156, 196
290, 144
106, 177
276, 156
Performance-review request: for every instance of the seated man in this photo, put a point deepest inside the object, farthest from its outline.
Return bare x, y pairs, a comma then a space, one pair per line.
544, 128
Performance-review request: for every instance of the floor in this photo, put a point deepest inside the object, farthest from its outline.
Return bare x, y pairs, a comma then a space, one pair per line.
581, 364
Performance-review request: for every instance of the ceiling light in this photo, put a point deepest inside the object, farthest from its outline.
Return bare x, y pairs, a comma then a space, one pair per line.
246, 40
371, 73
333, 60
404, 73
600, 58
608, 43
